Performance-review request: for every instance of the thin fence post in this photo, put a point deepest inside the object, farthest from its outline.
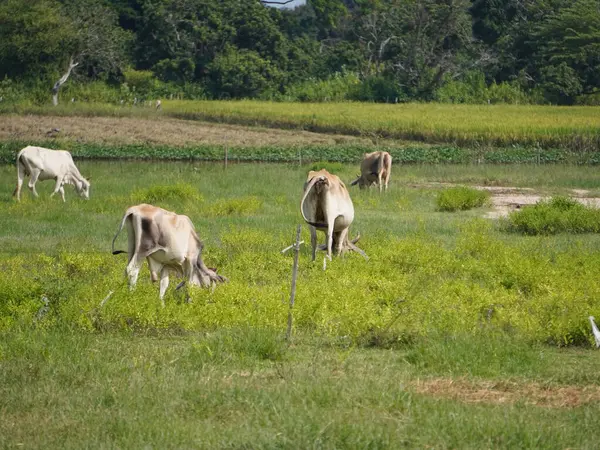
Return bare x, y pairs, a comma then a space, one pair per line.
226, 155
288, 334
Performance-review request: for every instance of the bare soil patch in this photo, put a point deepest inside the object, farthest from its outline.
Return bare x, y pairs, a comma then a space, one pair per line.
158, 131
505, 199
508, 392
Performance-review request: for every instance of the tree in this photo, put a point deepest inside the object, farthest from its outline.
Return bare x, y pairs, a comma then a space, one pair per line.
568, 44
241, 74
34, 37
415, 42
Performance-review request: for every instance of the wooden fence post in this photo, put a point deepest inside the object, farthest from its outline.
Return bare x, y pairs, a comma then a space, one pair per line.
288, 334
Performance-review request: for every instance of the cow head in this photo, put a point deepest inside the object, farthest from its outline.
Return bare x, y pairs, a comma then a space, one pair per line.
204, 276
317, 179
361, 181
83, 188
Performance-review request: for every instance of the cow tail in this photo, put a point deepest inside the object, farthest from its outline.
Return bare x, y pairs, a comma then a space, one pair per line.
388, 162
306, 191
380, 163
116, 252
20, 164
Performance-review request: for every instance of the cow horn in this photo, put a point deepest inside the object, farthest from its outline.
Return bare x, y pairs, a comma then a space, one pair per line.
355, 182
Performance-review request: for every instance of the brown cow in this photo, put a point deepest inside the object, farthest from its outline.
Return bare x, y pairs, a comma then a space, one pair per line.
375, 169
169, 242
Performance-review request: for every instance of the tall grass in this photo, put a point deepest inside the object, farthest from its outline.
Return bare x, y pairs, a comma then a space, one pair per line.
474, 125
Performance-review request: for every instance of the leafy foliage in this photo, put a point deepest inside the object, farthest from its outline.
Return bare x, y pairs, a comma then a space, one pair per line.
388, 51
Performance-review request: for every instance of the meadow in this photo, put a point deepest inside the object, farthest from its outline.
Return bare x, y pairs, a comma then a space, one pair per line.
455, 333
468, 336
575, 128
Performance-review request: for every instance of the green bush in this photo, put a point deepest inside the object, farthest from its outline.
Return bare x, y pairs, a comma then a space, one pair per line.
473, 89
592, 99
378, 89
557, 215
461, 198
334, 89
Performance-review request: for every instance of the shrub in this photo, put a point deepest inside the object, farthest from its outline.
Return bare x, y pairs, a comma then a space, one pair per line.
473, 89
333, 89
461, 198
557, 215
378, 89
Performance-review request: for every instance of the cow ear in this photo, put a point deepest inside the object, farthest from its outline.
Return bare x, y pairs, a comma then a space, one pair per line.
89, 178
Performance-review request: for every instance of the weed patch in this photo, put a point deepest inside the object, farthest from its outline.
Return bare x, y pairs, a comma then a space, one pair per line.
557, 215
243, 206
180, 192
461, 198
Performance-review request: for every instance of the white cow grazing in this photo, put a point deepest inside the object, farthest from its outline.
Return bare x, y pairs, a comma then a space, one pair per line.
44, 164
169, 242
326, 206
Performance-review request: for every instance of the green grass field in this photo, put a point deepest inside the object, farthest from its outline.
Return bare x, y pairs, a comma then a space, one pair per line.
453, 334
576, 128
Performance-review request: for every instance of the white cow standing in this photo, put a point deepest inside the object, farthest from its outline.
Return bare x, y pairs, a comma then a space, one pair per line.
44, 164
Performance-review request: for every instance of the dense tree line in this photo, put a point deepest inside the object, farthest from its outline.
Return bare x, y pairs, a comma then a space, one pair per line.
381, 50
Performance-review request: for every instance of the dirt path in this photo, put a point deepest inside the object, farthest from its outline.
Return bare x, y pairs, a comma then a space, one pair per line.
165, 131
505, 200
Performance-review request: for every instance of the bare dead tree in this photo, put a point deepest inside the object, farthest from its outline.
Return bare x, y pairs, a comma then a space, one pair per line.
62, 81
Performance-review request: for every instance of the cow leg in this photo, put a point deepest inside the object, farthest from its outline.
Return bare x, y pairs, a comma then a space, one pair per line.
313, 241
20, 177
341, 242
133, 271
330, 225
164, 284
379, 182
35, 174
58, 188
154, 270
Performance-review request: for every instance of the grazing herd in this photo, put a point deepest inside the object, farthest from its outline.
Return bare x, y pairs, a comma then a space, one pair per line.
169, 242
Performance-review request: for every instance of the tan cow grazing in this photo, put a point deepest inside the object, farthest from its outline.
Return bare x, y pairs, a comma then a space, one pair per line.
326, 206
374, 169
169, 242
44, 164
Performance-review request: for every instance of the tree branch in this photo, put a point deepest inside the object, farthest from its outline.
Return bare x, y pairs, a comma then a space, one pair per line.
62, 81
266, 2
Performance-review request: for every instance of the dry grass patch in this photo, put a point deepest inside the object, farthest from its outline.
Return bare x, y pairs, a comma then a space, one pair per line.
508, 392
158, 131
